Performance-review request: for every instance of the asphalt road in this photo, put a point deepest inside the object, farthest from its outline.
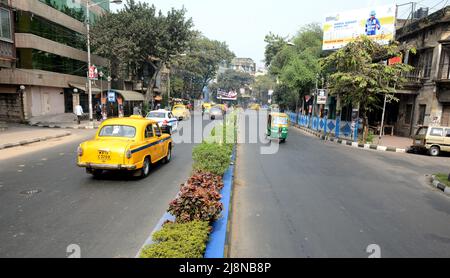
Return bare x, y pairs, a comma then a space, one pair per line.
320, 199
108, 217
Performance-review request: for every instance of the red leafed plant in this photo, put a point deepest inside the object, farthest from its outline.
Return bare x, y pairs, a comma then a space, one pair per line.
198, 199
206, 180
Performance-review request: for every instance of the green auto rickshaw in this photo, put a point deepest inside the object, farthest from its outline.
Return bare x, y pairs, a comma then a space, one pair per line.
278, 126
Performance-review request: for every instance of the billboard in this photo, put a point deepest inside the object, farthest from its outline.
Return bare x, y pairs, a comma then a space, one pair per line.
224, 95
376, 22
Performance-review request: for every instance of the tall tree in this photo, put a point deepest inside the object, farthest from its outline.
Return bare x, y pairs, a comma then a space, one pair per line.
360, 77
297, 66
275, 44
138, 35
262, 85
234, 80
200, 64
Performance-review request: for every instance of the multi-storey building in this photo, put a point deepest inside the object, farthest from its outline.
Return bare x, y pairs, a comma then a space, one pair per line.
51, 57
425, 99
244, 64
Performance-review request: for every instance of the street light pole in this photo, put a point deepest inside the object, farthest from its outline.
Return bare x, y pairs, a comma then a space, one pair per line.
88, 29
91, 118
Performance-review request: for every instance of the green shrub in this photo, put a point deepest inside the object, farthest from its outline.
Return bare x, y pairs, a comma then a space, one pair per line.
212, 158
182, 241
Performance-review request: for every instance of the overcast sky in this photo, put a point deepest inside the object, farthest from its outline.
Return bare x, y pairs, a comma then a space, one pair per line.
244, 23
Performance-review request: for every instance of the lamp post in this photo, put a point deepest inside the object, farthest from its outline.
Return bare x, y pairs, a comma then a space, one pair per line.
88, 28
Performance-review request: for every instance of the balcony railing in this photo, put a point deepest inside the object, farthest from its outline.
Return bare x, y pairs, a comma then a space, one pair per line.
444, 71
415, 76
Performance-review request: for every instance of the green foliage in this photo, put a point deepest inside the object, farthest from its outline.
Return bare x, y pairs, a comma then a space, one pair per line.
135, 35
275, 44
213, 158
358, 75
262, 85
297, 66
176, 240
200, 65
443, 178
234, 80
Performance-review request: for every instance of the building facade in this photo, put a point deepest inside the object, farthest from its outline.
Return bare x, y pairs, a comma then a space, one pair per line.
50, 58
244, 65
425, 99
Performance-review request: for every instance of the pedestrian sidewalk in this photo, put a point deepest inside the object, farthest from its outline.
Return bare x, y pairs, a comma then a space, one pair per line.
66, 120
387, 143
18, 135
393, 142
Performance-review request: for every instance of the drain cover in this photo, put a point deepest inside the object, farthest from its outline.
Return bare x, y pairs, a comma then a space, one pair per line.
31, 192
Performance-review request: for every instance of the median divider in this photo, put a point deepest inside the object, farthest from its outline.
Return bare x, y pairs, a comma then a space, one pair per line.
196, 224
217, 245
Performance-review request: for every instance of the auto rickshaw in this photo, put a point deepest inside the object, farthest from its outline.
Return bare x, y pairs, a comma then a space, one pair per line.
278, 126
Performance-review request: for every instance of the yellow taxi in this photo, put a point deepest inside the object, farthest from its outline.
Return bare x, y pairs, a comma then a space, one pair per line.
132, 144
207, 106
254, 106
181, 112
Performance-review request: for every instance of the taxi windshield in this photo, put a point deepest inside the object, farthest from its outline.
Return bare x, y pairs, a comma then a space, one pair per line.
118, 131
178, 108
280, 121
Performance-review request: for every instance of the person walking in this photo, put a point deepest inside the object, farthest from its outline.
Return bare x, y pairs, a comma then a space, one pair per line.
79, 113
98, 112
137, 110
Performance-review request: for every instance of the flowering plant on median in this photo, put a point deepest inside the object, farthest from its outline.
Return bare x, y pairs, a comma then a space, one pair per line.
198, 203
199, 199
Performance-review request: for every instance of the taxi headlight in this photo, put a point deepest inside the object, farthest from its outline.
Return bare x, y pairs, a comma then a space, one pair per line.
128, 154
80, 151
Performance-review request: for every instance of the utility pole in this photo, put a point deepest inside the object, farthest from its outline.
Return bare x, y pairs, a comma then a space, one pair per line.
91, 118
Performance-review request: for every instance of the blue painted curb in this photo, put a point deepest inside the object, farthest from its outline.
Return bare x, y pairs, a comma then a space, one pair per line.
215, 249
167, 217
217, 239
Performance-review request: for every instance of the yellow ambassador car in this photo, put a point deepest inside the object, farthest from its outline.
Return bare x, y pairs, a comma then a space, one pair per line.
181, 112
132, 144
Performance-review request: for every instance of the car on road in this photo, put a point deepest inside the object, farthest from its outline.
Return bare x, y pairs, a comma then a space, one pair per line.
181, 112
432, 139
166, 120
216, 112
254, 106
131, 144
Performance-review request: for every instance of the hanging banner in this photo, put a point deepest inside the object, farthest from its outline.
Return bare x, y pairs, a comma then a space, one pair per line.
224, 95
93, 73
378, 23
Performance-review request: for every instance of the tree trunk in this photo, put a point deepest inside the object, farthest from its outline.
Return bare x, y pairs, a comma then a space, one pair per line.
365, 128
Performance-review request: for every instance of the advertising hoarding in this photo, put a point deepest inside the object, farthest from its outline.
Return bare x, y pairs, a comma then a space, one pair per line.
224, 95
378, 23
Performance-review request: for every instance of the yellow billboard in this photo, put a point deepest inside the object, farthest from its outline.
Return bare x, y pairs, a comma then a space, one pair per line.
378, 23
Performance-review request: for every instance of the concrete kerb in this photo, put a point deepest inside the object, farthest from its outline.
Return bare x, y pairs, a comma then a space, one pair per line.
218, 240
63, 127
442, 187
350, 143
34, 140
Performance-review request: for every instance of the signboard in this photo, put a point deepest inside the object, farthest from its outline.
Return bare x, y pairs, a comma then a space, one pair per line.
270, 92
376, 22
322, 97
395, 60
93, 73
111, 96
224, 95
